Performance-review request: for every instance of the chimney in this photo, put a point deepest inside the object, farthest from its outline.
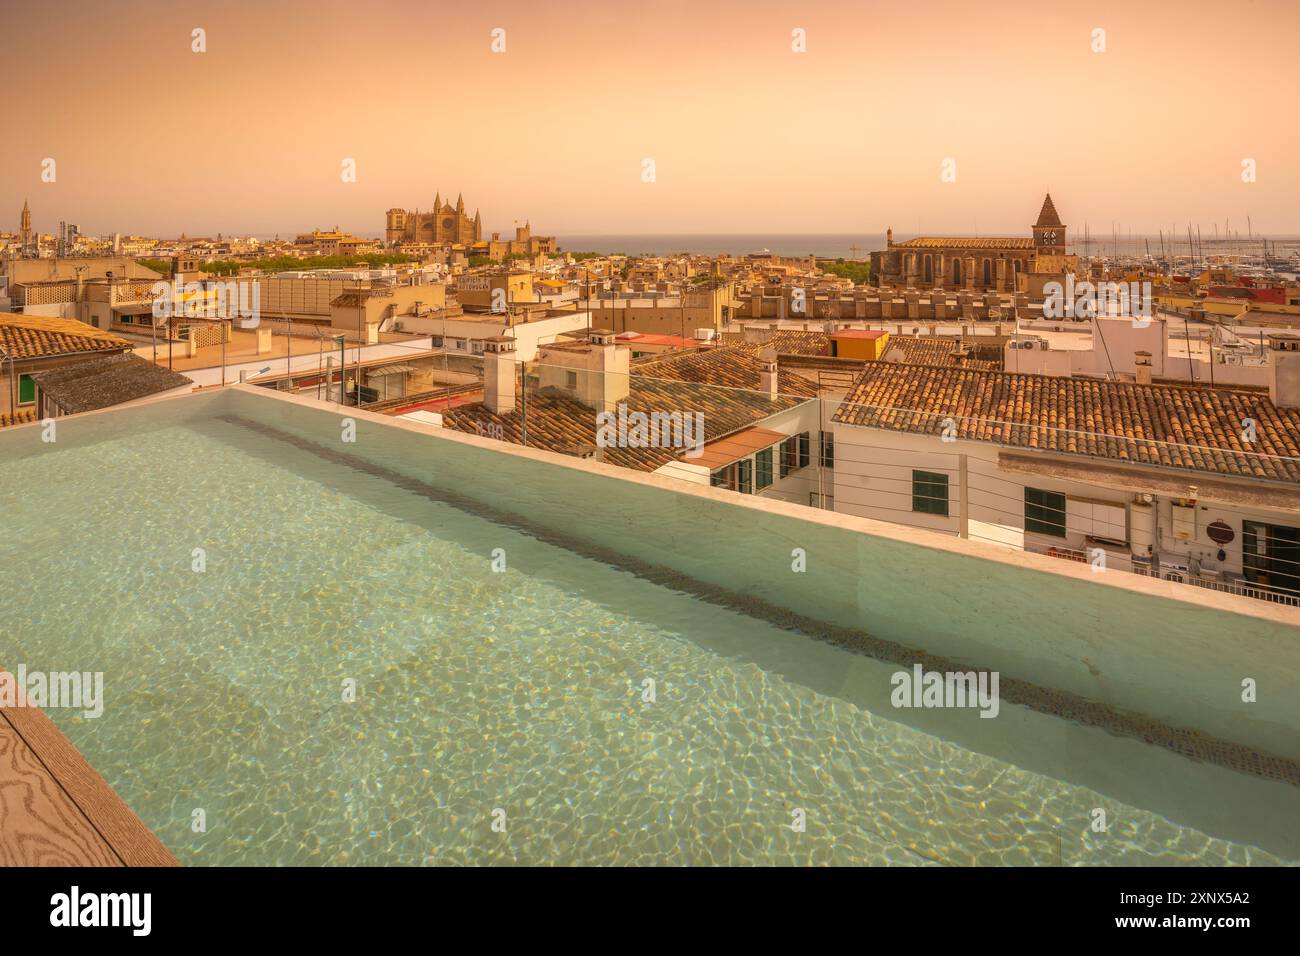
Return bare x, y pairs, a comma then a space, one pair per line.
611, 365
499, 374
767, 376
1142, 367
1284, 370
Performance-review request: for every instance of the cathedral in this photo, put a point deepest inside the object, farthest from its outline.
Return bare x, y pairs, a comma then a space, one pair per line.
986, 264
445, 223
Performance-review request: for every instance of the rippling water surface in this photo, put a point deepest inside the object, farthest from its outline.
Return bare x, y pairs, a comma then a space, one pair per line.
514, 697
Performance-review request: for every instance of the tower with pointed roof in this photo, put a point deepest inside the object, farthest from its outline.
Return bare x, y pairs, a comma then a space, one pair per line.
25, 228
1049, 231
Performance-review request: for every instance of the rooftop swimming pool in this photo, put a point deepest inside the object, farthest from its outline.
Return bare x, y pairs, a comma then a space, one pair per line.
410, 649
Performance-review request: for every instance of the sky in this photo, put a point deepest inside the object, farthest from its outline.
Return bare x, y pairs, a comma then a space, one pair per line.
745, 134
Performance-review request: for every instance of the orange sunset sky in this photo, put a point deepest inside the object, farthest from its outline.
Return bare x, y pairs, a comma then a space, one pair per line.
746, 135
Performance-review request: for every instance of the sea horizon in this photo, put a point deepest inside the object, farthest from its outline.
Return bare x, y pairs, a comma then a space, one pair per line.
840, 245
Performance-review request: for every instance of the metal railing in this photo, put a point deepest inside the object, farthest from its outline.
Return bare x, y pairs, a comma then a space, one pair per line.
1261, 592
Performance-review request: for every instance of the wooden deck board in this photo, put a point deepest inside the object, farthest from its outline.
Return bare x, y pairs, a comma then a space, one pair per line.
56, 810
39, 823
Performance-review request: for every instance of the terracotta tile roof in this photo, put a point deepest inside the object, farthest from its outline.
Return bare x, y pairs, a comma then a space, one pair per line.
919, 350
563, 424
784, 341
34, 336
735, 368
907, 349
797, 342
965, 242
104, 381
1192, 428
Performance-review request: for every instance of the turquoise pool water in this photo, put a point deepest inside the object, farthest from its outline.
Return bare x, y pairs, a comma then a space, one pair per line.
513, 697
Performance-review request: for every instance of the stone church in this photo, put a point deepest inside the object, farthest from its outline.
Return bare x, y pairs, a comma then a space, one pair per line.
990, 264
445, 223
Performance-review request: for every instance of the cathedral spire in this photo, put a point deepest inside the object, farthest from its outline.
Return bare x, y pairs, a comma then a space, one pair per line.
460, 202
437, 203
1047, 216
25, 227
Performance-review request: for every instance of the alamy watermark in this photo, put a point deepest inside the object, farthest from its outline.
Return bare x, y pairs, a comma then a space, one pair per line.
1085, 300
76, 690
624, 429
952, 689
128, 910
212, 299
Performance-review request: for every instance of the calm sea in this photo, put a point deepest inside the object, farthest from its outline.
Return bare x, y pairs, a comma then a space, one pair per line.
840, 245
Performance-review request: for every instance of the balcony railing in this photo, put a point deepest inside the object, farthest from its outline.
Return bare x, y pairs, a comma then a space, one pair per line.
1262, 592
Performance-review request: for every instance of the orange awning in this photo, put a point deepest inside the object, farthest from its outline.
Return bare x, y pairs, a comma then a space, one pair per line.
734, 447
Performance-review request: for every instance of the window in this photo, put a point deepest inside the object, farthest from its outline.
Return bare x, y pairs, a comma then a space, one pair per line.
763, 468
571, 379
724, 478
930, 493
745, 476
1045, 512
26, 390
1271, 555
795, 453
828, 450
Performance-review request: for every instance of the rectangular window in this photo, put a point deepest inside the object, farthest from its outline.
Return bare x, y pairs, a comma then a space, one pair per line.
745, 476
805, 449
571, 379
1045, 512
763, 468
828, 450
26, 390
788, 455
724, 478
930, 493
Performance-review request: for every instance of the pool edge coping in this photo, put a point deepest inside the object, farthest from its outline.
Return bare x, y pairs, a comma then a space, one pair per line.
1187, 595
